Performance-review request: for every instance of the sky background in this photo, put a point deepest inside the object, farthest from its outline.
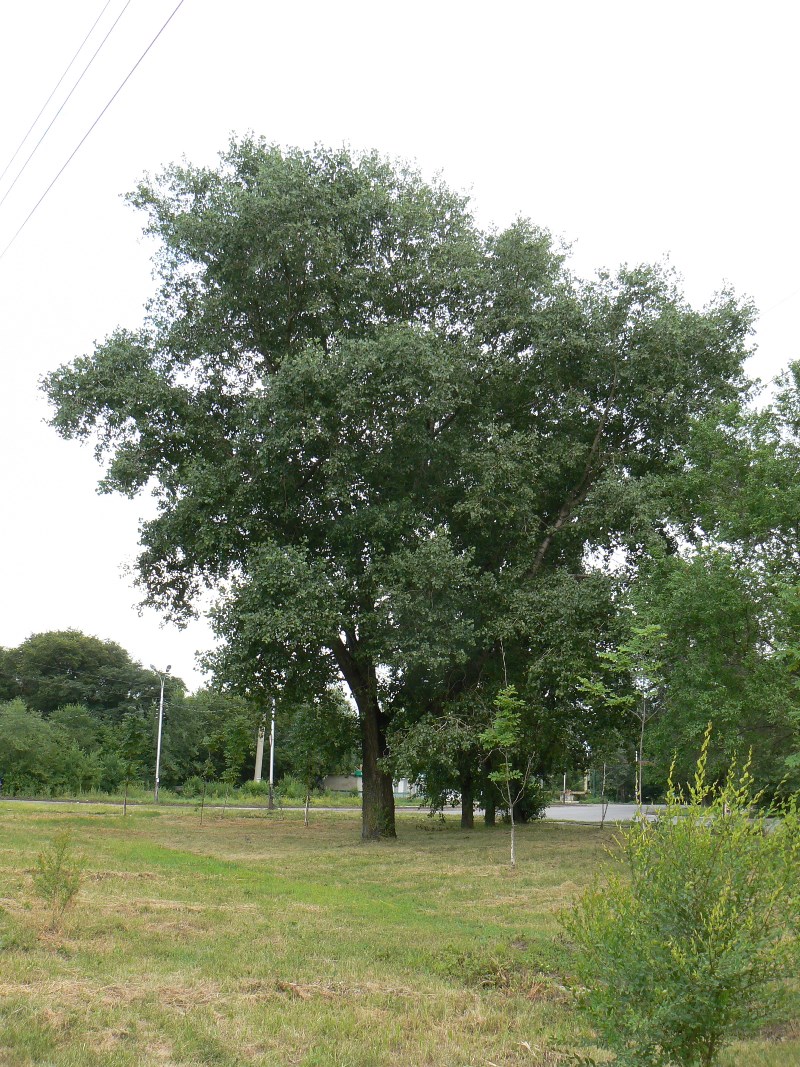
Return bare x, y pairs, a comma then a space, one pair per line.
634, 130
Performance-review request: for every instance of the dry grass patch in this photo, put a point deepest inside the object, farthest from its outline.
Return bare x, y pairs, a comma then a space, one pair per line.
253, 941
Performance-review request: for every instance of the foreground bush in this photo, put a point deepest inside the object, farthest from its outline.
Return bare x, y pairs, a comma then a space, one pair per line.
690, 950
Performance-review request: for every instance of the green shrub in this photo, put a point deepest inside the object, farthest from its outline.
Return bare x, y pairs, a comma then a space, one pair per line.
57, 877
255, 789
689, 950
291, 788
193, 786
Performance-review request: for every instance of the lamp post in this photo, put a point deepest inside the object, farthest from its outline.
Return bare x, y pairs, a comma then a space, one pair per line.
271, 802
163, 675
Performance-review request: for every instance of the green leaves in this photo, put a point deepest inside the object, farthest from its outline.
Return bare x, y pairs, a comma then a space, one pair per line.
685, 947
386, 440
505, 732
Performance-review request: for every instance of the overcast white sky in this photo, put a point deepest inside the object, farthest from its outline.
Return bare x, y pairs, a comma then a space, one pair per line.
634, 129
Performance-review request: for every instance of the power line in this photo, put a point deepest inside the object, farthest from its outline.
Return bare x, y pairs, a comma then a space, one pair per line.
783, 300
64, 103
53, 92
80, 143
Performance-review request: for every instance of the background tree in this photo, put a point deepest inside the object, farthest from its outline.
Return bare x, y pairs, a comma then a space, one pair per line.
631, 684
133, 750
727, 595
382, 435
227, 727
318, 739
26, 749
66, 667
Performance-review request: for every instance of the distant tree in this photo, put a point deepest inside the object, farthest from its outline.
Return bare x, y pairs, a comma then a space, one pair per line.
727, 596
8, 683
319, 738
133, 748
442, 755
77, 723
61, 667
630, 684
27, 749
227, 727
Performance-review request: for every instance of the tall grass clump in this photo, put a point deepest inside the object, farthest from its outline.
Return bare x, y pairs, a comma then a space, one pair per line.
57, 877
688, 945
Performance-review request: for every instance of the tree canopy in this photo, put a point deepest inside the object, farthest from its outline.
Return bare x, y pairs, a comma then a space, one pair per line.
392, 443
59, 667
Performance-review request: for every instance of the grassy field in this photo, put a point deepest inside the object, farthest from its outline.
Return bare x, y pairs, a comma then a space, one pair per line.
251, 940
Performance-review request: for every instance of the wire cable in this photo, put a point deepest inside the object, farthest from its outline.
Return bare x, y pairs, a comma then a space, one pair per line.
75, 150
64, 104
53, 92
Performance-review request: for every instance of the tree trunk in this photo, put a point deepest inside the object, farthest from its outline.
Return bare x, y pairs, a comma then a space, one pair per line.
305, 810
489, 813
467, 800
377, 800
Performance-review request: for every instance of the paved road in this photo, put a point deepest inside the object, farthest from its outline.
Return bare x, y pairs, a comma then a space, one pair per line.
592, 812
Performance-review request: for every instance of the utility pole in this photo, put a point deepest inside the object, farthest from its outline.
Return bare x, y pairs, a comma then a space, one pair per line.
163, 675
259, 753
271, 803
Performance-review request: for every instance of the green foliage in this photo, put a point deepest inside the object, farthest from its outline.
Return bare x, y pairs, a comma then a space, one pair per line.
66, 667
57, 876
390, 441
505, 737
630, 687
319, 737
727, 596
226, 727
292, 788
731, 625
688, 948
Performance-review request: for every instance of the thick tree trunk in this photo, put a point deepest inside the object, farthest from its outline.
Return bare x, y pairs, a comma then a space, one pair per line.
377, 801
489, 813
467, 800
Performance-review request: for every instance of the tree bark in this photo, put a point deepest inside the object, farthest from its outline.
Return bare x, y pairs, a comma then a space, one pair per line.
467, 800
489, 812
377, 800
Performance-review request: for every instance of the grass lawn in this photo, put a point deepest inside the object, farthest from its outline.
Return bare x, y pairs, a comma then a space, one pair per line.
251, 940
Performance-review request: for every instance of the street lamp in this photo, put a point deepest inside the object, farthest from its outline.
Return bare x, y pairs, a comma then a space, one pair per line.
163, 676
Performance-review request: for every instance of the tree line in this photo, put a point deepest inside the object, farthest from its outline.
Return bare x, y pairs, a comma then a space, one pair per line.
425, 459
79, 714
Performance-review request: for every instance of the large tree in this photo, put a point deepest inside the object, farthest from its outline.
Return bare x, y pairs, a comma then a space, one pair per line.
388, 440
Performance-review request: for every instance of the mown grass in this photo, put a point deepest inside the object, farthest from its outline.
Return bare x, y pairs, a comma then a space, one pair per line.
252, 940
215, 798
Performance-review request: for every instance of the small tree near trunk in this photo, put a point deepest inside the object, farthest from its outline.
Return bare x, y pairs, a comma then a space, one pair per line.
504, 737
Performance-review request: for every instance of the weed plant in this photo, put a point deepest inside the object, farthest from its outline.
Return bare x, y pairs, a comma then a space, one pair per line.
691, 946
57, 877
